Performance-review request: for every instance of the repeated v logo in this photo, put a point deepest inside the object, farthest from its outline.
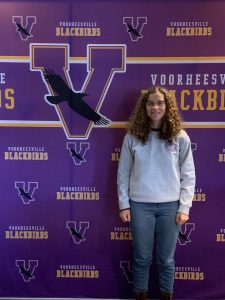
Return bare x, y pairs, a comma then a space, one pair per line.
135, 28
77, 233
185, 233
26, 190
26, 270
78, 151
125, 266
24, 30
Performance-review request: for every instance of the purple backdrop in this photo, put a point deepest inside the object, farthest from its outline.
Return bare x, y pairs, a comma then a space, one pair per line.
60, 231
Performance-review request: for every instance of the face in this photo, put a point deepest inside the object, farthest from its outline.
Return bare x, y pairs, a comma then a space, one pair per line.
156, 108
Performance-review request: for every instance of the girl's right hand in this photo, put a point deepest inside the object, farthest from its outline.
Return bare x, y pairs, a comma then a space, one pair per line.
125, 215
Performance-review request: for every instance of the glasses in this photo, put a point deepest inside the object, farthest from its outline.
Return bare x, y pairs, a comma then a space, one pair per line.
158, 103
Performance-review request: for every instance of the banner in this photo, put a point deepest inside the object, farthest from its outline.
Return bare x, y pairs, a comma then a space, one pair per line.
71, 73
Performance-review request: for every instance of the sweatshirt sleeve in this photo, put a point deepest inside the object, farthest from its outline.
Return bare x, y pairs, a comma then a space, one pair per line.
187, 174
124, 170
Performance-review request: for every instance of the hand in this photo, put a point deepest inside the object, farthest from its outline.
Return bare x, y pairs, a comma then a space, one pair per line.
181, 218
125, 215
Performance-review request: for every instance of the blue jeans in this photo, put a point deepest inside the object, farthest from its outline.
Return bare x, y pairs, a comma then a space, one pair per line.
151, 221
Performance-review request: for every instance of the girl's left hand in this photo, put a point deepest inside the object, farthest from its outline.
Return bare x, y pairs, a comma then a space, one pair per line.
181, 218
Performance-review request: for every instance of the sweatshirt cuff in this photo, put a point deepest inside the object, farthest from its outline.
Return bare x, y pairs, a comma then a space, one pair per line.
124, 205
184, 209
124, 209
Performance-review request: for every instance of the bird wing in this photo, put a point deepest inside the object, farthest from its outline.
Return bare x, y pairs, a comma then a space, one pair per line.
23, 270
79, 235
74, 153
130, 27
74, 99
21, 191
57, 84
136, 32
28, 196
72, 231
25, 31
82, 108
19, 26
181, 235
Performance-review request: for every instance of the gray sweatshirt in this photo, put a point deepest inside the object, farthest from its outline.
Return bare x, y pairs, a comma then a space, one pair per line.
156, 171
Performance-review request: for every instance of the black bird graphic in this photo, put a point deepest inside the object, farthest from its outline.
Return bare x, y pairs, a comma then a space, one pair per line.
134, 31
74, 153
23, 193
75, 233
25, 272
74, 100
21, 28
182, 236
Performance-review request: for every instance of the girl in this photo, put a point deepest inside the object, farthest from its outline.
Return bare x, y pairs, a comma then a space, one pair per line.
156, 180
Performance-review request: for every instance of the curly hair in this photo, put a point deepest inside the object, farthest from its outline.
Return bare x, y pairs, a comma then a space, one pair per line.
139, 122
